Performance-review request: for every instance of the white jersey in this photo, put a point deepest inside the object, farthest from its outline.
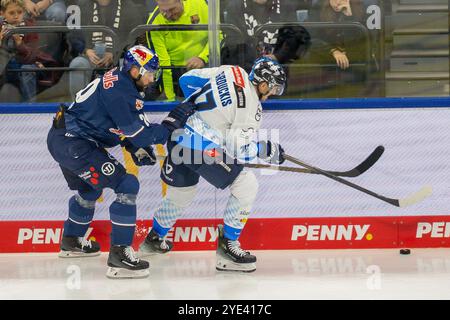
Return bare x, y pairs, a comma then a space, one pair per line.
229, 108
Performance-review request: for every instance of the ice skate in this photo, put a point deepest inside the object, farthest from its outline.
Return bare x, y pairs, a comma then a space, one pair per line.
123, 263
153, 244
77, 247
230, 256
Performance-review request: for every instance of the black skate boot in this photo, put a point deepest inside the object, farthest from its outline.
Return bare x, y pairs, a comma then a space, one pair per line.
123, 263
230, 256
153, 244
77, 247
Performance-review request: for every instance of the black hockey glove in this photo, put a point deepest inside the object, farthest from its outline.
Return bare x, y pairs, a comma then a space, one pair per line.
270, 152
141, 156
178, 116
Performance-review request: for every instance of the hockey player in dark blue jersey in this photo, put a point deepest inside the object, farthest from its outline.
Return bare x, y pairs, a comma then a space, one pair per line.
109, 112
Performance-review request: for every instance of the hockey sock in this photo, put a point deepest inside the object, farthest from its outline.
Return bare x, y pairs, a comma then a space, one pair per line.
235, 218
81, 212
166, 216
123, 219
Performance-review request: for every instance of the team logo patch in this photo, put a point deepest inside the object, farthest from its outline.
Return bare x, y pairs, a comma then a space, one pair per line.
195, 19
168, 168
108, 168
240, 96
85, 175
139, 104
238, 78
258, 114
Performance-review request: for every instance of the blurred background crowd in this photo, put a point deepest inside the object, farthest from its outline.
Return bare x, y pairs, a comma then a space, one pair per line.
329, 48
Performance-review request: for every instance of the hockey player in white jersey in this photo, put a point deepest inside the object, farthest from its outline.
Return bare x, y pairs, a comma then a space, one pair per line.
216, 139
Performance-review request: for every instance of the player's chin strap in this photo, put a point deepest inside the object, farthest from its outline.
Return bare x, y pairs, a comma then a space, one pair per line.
136, 80
142, 71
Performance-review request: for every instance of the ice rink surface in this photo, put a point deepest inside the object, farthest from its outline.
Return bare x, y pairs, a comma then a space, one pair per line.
290, 274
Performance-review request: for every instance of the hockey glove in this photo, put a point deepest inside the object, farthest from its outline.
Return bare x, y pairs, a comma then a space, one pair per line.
178, 116
142, 156
270, 152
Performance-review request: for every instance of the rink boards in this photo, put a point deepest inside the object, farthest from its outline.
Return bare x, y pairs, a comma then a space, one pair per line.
292, 210
260, 233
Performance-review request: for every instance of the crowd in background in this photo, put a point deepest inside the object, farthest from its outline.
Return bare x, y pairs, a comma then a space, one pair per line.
38, 66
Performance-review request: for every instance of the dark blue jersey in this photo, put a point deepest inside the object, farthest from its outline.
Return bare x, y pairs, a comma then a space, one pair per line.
110, 107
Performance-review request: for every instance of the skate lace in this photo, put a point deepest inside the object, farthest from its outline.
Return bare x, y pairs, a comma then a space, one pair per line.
84, 242
235, 248
130, 254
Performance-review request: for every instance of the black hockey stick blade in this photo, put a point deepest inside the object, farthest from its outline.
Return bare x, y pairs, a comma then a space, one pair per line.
363, 166
358, 170
410, 200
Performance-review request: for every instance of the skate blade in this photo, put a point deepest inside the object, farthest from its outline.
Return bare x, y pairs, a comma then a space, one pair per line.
122, 273
143, 252
76, 254
226, 265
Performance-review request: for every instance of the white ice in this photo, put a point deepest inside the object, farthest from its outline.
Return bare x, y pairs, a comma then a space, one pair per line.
290, 274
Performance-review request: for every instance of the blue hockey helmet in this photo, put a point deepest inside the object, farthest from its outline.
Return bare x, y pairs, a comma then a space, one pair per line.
144, 59
270, 71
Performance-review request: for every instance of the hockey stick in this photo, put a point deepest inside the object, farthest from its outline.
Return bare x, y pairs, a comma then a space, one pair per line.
410, 200
358, 170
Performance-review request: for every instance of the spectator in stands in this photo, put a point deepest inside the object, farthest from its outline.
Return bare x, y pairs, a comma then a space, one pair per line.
97, 50
247, 15
187, 49
292, 43
340, 11
51, 10
24, 52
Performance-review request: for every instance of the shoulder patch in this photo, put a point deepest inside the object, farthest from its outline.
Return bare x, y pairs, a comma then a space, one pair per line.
238, 78
239, 95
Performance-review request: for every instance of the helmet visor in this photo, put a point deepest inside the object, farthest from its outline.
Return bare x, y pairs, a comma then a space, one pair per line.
156, 73
276, 89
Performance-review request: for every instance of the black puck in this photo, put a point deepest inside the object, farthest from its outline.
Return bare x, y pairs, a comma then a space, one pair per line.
405, 251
